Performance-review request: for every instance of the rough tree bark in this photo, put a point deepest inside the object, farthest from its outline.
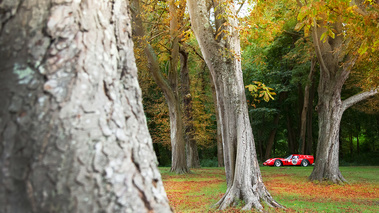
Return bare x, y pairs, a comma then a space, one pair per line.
305, 110
221, 53
73, 136
330, 108
191, 145
169, 87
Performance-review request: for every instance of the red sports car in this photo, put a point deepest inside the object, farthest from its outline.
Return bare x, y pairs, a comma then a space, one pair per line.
292, 160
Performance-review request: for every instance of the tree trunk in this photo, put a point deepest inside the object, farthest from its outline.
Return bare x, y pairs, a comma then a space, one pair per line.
179, 161
271, 138
291, 136
327, 160
260, 149
222, 56
192, 153
220, 149
351, 144
169, 87
330, 106
303, 122
358, 131
73, 133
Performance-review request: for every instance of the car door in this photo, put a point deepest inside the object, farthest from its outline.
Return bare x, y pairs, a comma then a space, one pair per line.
295, 160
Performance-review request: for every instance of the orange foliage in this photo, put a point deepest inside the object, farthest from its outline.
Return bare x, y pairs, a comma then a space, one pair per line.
266, 20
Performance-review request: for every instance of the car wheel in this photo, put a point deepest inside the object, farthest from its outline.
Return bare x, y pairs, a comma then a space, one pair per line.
304, 163
278, 163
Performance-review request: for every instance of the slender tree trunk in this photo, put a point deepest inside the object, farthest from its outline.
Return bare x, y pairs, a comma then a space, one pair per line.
303, 123
191, 151
73, 136
309, 144
220, 149
169, 87
358, 144
260, 149
351, 143
271, 137
291, 136
340, 142
244, 181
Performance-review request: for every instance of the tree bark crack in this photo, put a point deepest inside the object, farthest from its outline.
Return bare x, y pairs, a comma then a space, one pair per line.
143, 197
13, 13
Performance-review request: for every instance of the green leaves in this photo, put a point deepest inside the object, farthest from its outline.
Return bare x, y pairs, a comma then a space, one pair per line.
326, 34
260, 91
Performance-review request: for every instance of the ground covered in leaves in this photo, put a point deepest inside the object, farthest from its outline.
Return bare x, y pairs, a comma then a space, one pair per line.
198, 191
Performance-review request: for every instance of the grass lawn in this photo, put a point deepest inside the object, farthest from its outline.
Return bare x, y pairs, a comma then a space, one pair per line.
197, 192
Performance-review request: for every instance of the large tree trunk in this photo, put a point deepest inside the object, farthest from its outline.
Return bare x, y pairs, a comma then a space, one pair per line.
327, 162
330, 107
73, 132
169, 87
189, 131
244, 181
179, 161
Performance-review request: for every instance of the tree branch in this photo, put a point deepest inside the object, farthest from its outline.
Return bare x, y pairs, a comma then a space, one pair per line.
153, 65
194, 50
241, 5
299, 3
318, 49
357, 98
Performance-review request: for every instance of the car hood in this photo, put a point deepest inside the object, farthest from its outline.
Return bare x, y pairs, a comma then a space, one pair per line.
271, 159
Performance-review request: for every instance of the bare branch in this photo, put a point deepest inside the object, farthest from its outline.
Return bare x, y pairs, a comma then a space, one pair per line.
195, 51
358, 97
241, 5
291, 33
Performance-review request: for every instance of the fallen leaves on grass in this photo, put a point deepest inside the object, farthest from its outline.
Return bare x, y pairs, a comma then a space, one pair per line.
284, 185
197, 192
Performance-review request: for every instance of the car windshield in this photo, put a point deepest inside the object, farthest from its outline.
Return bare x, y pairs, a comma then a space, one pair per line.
289, 157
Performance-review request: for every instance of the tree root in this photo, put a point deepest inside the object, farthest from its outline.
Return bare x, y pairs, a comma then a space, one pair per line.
180, 171
336, 179
252, 199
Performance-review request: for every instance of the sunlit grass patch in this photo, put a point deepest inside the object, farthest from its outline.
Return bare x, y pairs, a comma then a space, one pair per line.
300, 203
